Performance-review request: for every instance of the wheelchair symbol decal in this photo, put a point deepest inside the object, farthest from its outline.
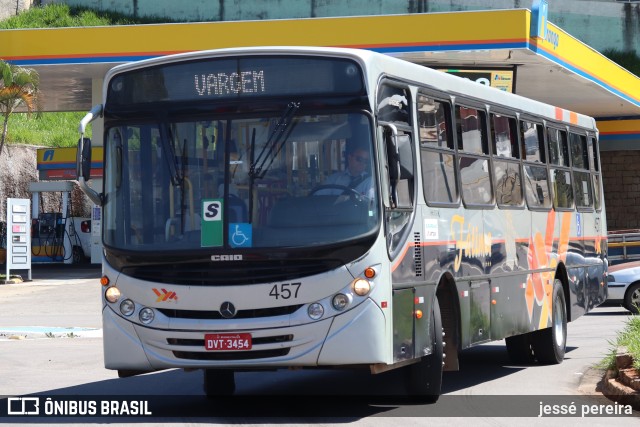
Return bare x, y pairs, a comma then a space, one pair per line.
240, 235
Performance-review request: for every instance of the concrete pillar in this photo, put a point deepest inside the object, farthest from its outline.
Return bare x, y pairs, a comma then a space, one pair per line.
97, 140
9, 8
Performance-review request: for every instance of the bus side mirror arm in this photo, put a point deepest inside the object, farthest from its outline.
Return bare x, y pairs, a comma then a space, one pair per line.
83, 156
393, 161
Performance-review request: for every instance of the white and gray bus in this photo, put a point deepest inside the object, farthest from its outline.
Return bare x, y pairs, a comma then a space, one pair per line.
293, 207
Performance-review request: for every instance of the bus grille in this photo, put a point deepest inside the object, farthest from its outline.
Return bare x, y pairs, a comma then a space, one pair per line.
254, 341
241, 314
231, 355
230, 273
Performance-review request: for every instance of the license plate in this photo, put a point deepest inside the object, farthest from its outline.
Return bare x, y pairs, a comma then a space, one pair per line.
227, 342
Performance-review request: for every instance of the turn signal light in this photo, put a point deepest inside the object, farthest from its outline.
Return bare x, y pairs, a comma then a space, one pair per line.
104, 281
369, 273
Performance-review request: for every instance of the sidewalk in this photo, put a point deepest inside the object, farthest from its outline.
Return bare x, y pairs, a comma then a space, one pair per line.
52, 272
61, 301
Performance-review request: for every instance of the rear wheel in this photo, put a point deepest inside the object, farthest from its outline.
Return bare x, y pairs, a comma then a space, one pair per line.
549, 344
632, 298
424, 379
219, 382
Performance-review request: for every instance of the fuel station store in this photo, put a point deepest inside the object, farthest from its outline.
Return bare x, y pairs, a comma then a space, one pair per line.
516, 50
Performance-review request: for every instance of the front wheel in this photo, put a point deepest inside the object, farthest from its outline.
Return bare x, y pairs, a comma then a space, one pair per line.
549, 344
632, 298
424, 379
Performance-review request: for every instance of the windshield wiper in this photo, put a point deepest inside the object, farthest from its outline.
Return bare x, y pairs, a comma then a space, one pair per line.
274, 143
170, 156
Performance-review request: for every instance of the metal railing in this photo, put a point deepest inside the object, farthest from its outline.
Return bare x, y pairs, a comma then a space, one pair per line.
624, 245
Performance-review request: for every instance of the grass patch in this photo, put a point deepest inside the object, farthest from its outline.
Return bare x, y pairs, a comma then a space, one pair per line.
629, 338
61, 15
46, 129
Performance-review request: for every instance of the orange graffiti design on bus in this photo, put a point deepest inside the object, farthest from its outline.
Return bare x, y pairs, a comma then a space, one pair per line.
539, 287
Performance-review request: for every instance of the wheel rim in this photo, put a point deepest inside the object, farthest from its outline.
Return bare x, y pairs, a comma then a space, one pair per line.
558, 322
635, 297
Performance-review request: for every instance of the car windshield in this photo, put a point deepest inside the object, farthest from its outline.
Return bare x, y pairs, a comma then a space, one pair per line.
285, 180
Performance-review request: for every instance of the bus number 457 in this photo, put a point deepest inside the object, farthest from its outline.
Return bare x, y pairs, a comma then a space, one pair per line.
285, 290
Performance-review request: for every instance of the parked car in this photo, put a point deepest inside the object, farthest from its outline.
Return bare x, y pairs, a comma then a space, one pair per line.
624, 285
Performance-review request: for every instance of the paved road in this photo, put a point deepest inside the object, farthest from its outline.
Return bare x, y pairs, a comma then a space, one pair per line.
60, 354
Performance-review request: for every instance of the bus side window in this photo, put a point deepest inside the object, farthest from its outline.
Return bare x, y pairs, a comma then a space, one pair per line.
536, 186
595, 171
562, 189
401, 183
581, 175
561, 183
437, 153
504, 136
475, 178
506, 167
400, 166
434, 123
470, 126
531, 135
558, 147
536, 179
393, 105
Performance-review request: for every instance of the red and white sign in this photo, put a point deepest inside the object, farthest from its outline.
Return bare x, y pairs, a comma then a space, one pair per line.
227, 342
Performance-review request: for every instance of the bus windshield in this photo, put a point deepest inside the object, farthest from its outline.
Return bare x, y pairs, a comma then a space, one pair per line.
281, 180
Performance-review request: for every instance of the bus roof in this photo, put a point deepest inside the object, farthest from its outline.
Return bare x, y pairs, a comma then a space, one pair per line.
377, 65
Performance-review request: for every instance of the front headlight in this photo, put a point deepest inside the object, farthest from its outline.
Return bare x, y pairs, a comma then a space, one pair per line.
146, 315
127, 307
340, 301
112, 294
315, 311
361, 287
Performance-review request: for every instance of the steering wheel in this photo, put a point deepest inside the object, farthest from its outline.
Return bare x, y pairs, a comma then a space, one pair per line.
352, 193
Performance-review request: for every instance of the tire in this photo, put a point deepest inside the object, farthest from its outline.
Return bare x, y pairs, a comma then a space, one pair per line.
632, 298
424, 379
520, 350
549, 344
219, 382
78, 255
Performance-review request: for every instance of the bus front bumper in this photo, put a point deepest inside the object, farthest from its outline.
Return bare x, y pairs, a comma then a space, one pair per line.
357, 336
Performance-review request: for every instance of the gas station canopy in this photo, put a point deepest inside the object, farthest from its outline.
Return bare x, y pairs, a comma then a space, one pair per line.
545, 62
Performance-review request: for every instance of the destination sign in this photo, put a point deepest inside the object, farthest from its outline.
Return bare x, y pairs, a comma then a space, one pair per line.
236, 78
226, 84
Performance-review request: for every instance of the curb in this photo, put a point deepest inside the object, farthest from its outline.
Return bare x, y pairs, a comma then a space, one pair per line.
13, 280
38, 332
614, 389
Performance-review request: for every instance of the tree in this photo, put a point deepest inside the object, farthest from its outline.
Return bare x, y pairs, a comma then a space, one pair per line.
18, 88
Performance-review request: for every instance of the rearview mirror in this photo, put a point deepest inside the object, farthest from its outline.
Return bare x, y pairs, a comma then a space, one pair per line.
84, 158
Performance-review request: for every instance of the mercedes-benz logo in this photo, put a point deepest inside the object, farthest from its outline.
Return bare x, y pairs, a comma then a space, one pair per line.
227, 310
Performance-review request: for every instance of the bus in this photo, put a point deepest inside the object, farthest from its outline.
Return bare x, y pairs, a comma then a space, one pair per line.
235, 238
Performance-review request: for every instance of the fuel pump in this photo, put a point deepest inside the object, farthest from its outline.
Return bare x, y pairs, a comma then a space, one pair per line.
55, 235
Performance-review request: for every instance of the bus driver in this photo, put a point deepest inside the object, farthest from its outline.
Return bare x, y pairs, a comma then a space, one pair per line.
356, 175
